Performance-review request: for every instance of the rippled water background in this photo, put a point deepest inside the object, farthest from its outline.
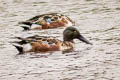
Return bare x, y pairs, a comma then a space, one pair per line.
97, 20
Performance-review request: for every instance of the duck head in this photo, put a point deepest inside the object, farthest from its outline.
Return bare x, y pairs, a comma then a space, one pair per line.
71, 33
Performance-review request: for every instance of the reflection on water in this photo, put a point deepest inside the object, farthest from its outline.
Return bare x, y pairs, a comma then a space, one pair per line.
97, 20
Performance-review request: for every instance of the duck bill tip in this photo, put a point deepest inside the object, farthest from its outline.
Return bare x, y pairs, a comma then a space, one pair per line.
81, 38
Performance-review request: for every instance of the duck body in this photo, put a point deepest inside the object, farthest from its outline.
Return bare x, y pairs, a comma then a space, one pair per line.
47, 21
43, 44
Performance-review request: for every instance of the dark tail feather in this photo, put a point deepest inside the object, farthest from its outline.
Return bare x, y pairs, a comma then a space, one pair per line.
25, 28
26, 23
19, 48
20, 42
20, 38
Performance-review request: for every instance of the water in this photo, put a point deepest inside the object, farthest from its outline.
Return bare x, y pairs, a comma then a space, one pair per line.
97, 20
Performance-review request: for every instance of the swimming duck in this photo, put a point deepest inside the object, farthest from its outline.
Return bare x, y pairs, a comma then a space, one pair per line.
47, 21
43, 44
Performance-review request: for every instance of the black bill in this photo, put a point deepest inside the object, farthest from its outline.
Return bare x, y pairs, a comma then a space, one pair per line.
84, 40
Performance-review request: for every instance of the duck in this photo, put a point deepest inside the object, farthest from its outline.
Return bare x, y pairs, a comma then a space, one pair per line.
47, 21
39, 44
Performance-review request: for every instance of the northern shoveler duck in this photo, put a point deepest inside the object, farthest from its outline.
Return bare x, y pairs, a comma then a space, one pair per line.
43, 44
47, 21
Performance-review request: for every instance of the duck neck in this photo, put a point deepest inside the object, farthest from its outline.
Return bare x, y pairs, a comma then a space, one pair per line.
68, 39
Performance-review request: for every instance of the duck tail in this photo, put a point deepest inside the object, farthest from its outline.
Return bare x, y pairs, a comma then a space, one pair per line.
18, 47
26, 25
20, 42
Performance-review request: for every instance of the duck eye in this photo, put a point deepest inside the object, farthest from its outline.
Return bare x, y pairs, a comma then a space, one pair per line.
74, 31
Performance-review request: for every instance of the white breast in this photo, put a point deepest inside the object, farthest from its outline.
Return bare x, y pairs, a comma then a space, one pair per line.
69, 24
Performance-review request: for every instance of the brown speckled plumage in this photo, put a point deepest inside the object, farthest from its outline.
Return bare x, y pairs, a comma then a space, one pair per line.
48, 21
